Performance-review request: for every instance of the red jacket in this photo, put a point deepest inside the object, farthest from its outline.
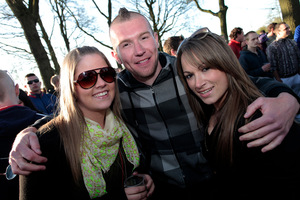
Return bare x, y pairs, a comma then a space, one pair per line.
236, 47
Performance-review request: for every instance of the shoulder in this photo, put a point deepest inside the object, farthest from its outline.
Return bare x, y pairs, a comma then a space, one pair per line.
49, 138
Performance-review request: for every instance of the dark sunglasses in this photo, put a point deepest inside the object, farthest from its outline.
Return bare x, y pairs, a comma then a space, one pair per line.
35, 80
88, 79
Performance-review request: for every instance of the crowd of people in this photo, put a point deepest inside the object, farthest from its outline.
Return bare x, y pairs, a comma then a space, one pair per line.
204, 119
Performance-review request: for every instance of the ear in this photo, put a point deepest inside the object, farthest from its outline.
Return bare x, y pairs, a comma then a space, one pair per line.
115, 55
173, 52
17, 91
156, 39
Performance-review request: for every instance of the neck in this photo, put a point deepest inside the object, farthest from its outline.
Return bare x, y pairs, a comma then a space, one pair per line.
252, 49
7, 103
98, 117
280, 37
39, 92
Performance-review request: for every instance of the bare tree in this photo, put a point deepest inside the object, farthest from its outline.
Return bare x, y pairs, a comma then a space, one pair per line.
28, 15
290, 12
221, 14
163, 14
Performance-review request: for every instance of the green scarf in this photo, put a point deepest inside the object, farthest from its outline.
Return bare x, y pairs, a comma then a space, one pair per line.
99, 151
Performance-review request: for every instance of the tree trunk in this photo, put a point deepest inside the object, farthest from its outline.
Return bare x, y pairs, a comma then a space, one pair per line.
28, 19
290, 10
222, 16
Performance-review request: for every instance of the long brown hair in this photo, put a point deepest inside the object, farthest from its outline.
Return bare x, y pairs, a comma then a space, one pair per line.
70, 120
211, 49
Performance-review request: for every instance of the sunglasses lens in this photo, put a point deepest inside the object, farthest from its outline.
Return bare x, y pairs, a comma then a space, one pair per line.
108, 74
9, 174
35, 80
87, 79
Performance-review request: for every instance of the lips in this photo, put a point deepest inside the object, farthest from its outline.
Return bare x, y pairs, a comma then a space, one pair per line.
206, 90
205, 93
101, 94
144, 61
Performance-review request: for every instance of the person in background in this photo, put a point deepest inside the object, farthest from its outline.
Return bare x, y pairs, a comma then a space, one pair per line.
218, 86
24, 100
45, 103
263, 38
54, 80
171, 44
271, 33
13, 118
90, 152
155, 108
284, 56
297, 35
252, 59
236, 39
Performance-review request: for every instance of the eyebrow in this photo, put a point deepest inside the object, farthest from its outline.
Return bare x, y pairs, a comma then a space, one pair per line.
128, 40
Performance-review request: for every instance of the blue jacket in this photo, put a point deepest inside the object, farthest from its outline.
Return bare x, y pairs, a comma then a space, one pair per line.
297, 35
252, 63
45, 103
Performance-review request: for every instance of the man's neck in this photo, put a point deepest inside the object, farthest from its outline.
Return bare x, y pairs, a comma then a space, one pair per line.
39, 92
252, 49
280, 37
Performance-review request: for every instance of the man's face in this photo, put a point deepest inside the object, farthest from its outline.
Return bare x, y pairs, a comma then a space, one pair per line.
252, 41
136, 47
33, 84
284, 31
240, 37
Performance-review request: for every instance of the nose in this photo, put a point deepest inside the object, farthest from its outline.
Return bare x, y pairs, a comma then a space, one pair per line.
199, 81
139, 49
100, 82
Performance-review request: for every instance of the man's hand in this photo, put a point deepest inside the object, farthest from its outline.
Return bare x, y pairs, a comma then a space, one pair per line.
266, 67
141, 192
26, 149
273, 126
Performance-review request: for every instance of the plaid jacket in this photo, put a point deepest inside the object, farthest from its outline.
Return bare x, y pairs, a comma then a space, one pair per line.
284, 56
160, 118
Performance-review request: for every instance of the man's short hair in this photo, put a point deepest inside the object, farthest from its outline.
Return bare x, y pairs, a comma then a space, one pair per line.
29, 75
247, 34
278, 25
271, 26
172, 43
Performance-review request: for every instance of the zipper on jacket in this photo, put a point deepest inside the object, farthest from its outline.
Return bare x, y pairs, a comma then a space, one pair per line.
170, 138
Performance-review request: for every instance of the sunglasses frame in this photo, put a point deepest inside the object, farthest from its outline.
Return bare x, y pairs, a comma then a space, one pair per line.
203, 30
101, 73
31, 81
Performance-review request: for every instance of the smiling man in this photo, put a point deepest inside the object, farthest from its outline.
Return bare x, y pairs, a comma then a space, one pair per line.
156, 110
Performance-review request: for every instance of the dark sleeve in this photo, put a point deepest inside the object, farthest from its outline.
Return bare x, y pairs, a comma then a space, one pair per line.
272, 88
56, 182
37, 124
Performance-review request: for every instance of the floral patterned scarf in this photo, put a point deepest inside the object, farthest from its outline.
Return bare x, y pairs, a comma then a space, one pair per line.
100, 148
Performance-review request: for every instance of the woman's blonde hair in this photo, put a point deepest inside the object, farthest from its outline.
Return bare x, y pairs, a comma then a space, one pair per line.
212, 51
70, 119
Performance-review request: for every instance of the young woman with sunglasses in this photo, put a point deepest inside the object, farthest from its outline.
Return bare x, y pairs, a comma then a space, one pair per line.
89, 149
218, 86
